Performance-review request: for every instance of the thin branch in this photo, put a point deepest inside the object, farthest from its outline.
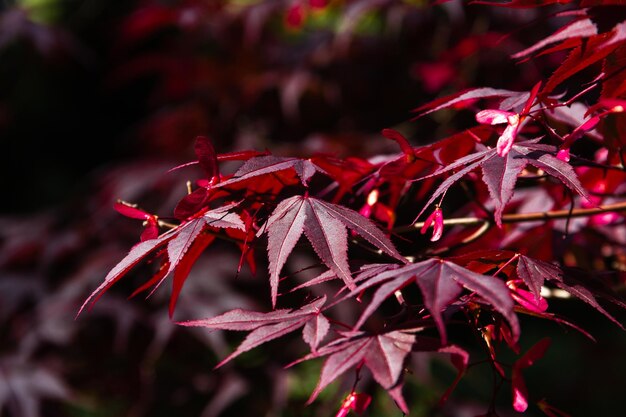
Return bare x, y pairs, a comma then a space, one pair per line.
523, 217
484, 228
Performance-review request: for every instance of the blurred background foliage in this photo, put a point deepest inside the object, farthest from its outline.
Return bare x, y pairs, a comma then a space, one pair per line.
99, 98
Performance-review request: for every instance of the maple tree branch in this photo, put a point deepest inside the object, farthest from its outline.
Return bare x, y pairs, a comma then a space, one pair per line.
484, 228
523, 217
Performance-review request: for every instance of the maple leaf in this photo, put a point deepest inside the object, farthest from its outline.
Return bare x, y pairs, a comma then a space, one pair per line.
207, 157
520, 393
535, 272
383, 354
440, 282
324, 224
181, 252
136, 254
511, 99
582, 27
500, 173
264, 327
263, 165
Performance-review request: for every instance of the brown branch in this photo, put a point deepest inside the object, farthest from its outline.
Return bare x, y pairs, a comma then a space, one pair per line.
523, 217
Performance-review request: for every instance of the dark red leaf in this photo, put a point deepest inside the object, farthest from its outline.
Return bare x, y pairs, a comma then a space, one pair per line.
329, 238
460, 360
404, 144
324, 225
465, 96
129, 210
440, 283
315, 330
360, 225
262, 165
191, 203
520, 393
284, 228
243, 320
500, 175
264, 326
207, 157
136, 254
383, 354
185, 236
535, 272
182, 270
582, 28
224, 218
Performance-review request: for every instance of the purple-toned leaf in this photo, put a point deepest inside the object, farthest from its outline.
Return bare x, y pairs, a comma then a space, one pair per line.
284, 228
556, 168
535, 272
324, 225
493, 290
262, 335
246, 320
397, 279
500, 175
346, 355
448, 182
329, 239
572, 115
136, 254
460, 359
191, 203
178, 246
262, 165
315, 330
582, 28
471, 94
223, 218
184, 267
396, 394
361, 225
325, 276
383, 354
440, 283
438, 290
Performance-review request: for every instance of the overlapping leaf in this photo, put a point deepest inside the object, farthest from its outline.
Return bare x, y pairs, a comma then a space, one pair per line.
264, 327
501, 173
384, 354
511, 99
535, 272
184, 244
268, 164
324, 225
440, 282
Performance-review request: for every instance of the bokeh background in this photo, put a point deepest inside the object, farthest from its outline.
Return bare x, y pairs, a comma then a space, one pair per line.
99, 98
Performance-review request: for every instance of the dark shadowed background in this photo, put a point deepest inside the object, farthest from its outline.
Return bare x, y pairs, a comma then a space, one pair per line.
99, 98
